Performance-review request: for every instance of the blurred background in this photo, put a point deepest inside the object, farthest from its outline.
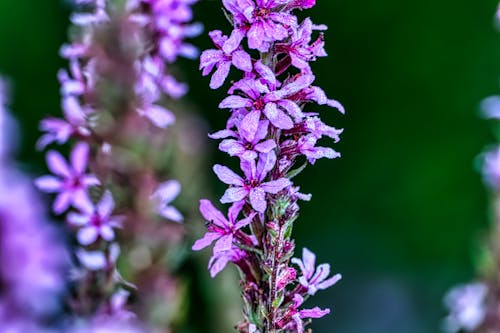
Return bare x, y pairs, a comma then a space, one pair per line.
402, 213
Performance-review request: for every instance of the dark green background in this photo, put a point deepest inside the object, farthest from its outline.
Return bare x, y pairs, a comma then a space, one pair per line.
401, 213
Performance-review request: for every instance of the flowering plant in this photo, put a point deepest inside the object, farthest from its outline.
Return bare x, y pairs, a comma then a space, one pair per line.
114, 119
271, 131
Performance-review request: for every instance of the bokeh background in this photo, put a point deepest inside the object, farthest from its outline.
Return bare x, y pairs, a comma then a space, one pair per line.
401, 214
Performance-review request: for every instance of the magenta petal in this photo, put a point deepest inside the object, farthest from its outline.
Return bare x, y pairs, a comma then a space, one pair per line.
223, 244
266, 73
160, 116
48, 184
309, 260
266, 146
227, 176
314, 313
57, 164
168, 191
232, 147
87, 235
234, 194
106, 204
217, 264
330, 282
220, 75
249, 125
234, 102
79, 156
171, 213
244, 222
258, 199
242, 61
212, 214
275, 186
292, 108
222, 134
62, 202
234, 41
207, 239
277, 117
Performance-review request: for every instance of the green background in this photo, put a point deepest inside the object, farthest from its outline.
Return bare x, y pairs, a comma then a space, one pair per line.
401, 213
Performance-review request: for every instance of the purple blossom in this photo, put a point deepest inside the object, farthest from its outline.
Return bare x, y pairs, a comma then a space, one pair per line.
95, 220
164, 195
313, 278
275, 105
220, 260
300, 49
221, 229
249, 140
300, 315
60, 130
261, 21
491, 168
253, 186
71, 181
467, 307
222, 60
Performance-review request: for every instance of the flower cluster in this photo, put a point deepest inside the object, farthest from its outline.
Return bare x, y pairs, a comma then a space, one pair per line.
270, 130
111, 97
33, 258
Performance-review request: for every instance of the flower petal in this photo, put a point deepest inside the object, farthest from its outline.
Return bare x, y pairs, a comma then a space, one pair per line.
234, 194
57, 164
205, 241
48, 184
227, 176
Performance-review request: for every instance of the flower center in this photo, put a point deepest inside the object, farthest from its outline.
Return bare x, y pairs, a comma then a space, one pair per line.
259, 104
261, 13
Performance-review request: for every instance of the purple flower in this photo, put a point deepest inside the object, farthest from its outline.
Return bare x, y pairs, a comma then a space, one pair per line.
467, 307
306, 146
98, 260
275, 105
249, 138
95, 220
71, 181
300, 49
261, 21
221, 229
220, 260
313, 278
253, 186
222, 60
164, 195
299, 316
491, 168
60, 130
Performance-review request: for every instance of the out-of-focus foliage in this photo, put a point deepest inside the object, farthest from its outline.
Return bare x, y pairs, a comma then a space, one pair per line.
402, 212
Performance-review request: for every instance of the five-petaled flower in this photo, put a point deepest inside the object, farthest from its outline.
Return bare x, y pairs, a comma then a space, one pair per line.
95, 220
71, 182
313, 278
221, 229
253, 186
164, 195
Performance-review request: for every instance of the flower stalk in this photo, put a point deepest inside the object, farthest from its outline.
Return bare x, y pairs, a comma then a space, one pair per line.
272, 133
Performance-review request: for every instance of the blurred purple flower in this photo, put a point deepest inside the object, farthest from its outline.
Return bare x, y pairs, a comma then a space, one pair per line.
95, 220
466, 304
72, 181
164, 195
